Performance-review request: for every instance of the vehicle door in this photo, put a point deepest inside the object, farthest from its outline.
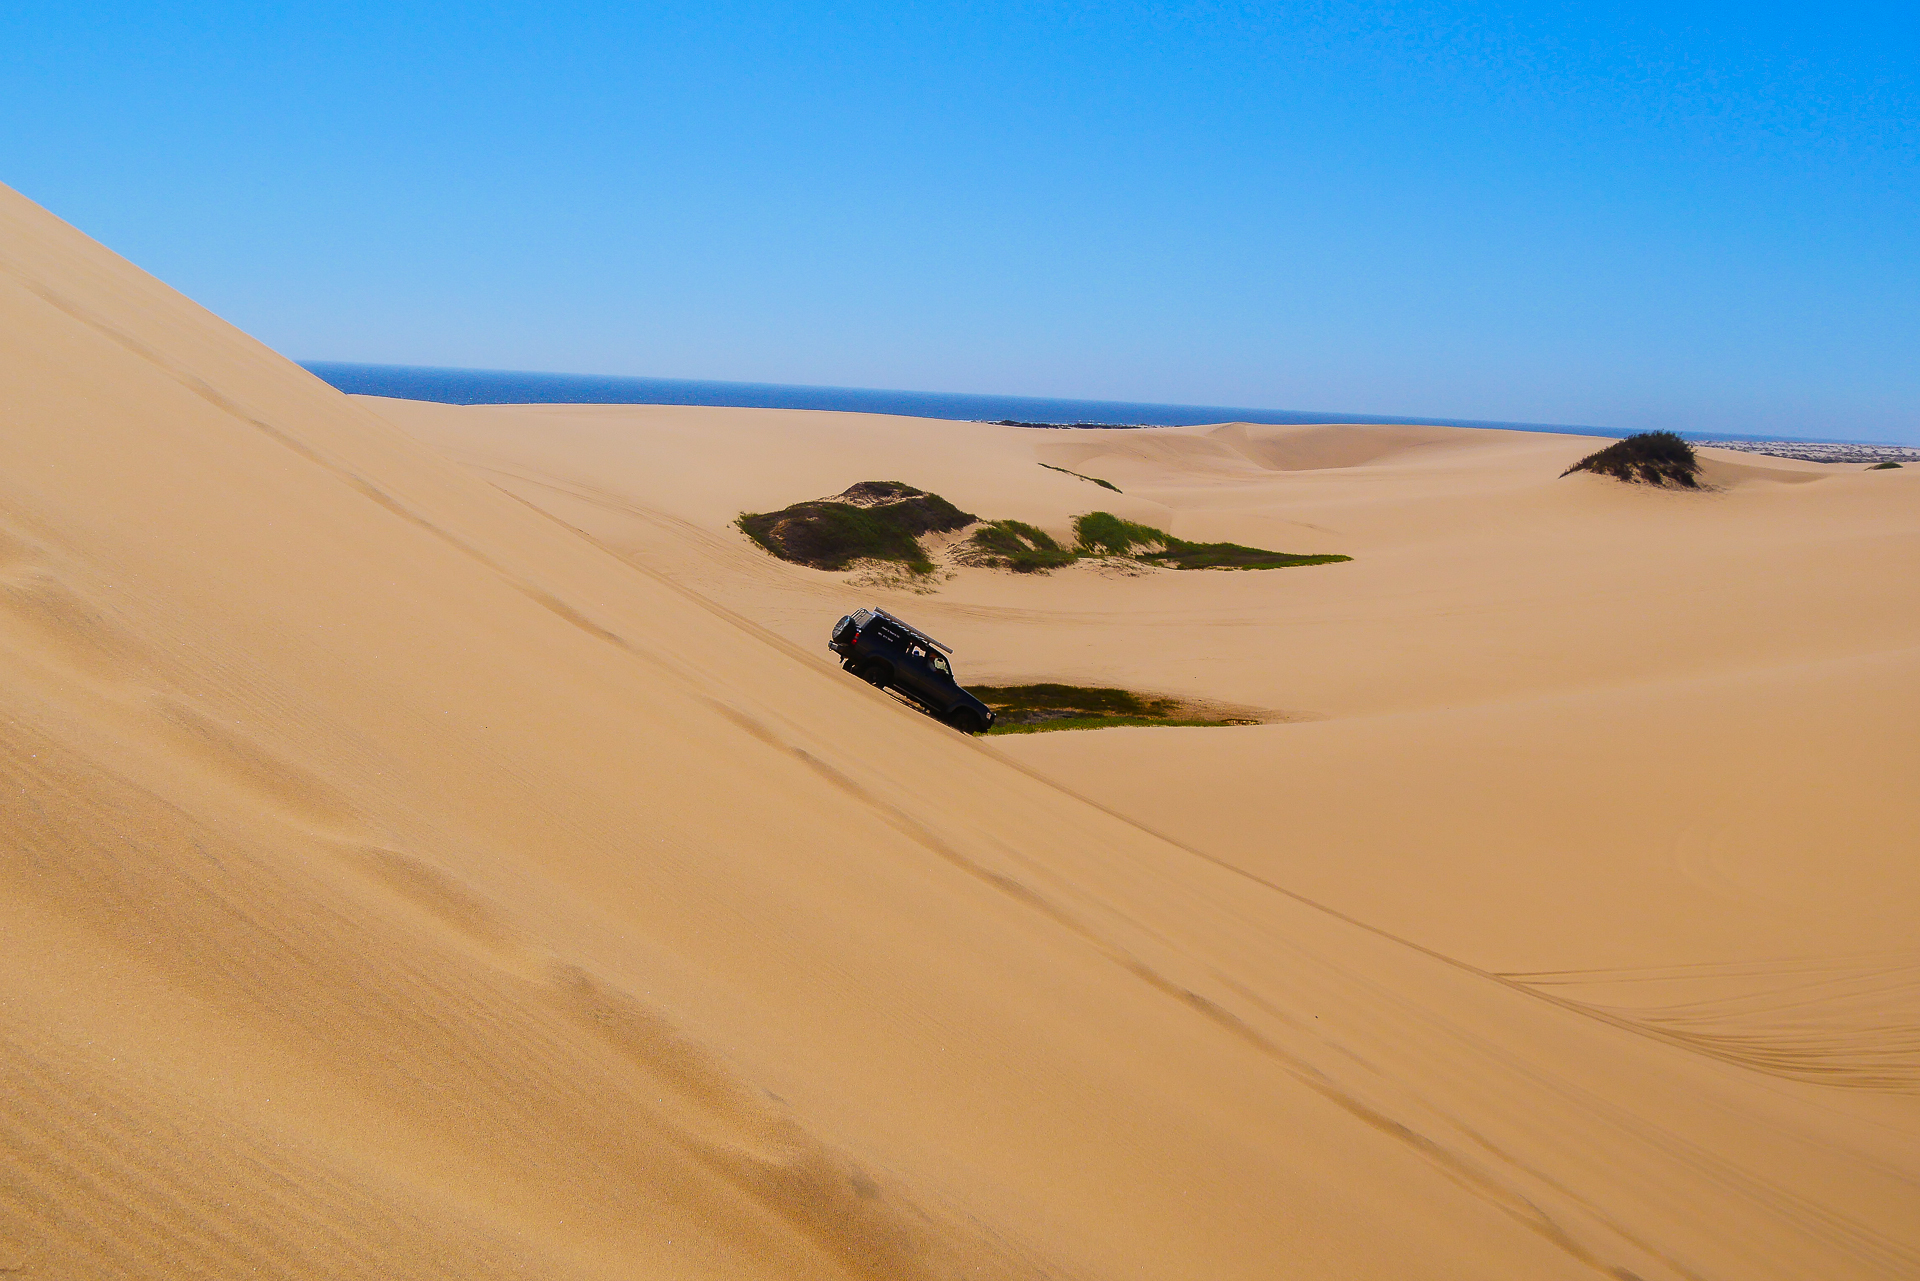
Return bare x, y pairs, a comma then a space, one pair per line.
945, 689
916, 675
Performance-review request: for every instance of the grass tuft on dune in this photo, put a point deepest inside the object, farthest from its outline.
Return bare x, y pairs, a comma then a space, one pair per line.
1015, 545
1104, 484
1104, 534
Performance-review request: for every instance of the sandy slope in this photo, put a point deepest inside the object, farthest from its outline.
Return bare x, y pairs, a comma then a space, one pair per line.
1686, 712
400, 883
1644, 754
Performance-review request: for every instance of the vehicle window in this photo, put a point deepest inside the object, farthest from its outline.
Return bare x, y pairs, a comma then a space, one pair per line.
940, 665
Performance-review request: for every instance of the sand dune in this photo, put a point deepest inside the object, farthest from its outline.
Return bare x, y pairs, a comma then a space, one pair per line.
436, 845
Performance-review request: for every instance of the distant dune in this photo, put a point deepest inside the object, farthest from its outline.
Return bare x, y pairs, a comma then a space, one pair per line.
438, 844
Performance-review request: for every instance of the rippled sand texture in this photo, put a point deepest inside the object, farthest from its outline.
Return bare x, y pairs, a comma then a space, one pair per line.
435, 845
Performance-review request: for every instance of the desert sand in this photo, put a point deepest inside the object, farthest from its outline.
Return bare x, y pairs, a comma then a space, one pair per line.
437, 844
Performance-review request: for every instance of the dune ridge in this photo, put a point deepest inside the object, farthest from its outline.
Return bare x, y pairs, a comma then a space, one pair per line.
426, 856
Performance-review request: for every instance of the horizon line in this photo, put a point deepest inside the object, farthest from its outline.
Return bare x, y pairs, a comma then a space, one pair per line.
744, 399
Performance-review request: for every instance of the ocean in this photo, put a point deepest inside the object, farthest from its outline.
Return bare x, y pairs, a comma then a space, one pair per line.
514, 387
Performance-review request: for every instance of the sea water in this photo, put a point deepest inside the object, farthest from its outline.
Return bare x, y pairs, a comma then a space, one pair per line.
512, 387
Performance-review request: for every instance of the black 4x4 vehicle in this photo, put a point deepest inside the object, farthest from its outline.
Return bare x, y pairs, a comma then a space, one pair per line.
883, 651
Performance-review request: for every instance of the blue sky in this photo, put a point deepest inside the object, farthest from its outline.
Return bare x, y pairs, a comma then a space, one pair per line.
1679, 215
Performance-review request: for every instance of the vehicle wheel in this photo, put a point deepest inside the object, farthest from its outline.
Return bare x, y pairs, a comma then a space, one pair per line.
967, 721
874, 673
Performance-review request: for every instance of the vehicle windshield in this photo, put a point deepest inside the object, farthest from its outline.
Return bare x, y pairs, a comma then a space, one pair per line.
940, 665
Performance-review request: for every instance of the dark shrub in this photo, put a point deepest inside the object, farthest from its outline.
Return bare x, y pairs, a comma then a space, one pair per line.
873, 520
1648, 458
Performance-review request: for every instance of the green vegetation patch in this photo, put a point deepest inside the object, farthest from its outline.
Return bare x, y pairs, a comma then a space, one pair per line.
1646, 458
1032, 709
1094, 700
873, 520
1048, 724
1015, 545
885, 520
1104, 534
1875, 467
1104, 484
1232, 556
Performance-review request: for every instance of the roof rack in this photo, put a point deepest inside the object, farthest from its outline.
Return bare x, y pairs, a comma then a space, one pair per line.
901, 623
